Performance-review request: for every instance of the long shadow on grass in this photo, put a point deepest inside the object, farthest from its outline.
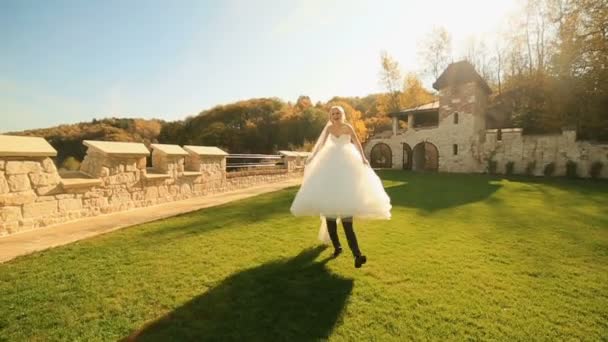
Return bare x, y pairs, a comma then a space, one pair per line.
237, 213
435, 191
287, 300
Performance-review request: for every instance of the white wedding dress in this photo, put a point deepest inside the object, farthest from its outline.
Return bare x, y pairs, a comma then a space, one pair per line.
337, 184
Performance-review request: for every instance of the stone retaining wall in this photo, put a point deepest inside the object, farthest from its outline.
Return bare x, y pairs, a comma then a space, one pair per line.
532, 153
113, 177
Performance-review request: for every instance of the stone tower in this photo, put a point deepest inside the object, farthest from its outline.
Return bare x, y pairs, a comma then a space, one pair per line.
463, 93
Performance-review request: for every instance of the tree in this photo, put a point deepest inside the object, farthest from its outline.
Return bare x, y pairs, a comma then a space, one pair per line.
390, 77
552, 67
478, 55
172, 133
498, 61
303, 103
436, 51
581, 64
414, 93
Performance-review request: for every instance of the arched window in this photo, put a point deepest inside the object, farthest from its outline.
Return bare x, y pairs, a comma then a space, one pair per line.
381, 156
456, 118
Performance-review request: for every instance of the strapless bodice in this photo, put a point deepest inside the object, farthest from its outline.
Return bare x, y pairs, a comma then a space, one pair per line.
341, 139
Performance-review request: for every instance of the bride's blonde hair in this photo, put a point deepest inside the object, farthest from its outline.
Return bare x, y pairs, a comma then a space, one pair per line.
343, 118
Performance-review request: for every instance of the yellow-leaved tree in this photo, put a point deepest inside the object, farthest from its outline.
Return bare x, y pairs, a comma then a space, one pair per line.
414, 94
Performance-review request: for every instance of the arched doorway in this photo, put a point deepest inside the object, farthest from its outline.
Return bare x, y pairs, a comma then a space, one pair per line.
381, 156
407, 157
425, 157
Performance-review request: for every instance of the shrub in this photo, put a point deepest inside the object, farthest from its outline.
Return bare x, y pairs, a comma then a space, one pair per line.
530, 168
571, 169
596, 169
492, 165
509, 168
71, 164
549, 169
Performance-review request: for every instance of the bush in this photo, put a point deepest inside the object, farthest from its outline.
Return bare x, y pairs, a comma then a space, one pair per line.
509, 168
596, 169
571, 169
492, 165
530, 168
549, 169
71, 164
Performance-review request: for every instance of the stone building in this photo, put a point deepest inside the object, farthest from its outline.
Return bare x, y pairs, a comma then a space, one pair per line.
451, 135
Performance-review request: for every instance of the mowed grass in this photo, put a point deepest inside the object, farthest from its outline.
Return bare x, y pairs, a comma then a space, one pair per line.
464, 257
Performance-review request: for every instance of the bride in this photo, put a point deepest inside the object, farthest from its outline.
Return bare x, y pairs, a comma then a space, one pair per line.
339, 185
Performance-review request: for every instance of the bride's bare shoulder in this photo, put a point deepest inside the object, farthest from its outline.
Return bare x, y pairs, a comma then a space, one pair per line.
345, 128
348, 128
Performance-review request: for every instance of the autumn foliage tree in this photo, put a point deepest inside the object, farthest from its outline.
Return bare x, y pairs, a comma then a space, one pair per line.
553, 70
414, 94
67, 139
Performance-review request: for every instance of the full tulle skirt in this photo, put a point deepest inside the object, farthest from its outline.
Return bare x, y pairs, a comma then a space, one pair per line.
337, 184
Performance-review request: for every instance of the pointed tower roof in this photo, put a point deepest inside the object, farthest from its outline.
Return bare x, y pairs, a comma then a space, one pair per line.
458, 73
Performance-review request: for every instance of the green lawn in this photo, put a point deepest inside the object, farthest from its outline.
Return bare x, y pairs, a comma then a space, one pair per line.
464, 257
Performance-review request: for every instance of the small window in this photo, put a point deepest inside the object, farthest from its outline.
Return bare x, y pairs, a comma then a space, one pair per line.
499, 135
455, 149
456, 118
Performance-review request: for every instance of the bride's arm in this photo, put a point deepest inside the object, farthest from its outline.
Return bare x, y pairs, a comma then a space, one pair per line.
355, 141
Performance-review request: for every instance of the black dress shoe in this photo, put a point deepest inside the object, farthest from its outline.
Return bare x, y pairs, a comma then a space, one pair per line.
337, 252
360, 260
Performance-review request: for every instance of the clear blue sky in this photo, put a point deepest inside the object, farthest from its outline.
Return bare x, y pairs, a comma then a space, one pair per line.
71, 61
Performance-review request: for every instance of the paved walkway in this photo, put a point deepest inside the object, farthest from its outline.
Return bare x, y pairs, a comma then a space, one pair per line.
39, 239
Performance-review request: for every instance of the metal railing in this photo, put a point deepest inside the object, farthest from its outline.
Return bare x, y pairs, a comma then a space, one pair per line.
243, 162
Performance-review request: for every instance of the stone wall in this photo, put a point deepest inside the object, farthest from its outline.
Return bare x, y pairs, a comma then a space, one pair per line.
113, 177
537, 151
30, 194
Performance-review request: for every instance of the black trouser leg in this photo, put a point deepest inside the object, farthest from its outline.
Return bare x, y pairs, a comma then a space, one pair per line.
332, 229
347, 223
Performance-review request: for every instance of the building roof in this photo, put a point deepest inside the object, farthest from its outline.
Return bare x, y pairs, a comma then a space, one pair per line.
424, 108
458, 73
